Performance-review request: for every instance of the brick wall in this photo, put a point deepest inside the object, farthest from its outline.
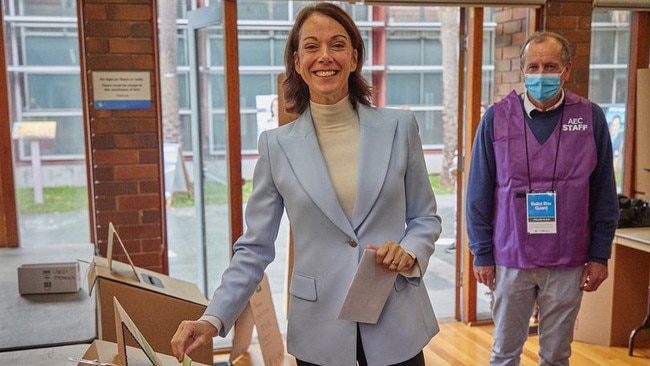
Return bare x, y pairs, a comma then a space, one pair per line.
124, 145
571, 19
510, 34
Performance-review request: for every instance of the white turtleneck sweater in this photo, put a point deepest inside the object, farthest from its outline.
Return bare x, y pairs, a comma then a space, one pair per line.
337, 129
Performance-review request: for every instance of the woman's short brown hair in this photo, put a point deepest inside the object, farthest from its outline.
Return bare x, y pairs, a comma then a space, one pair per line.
296, 91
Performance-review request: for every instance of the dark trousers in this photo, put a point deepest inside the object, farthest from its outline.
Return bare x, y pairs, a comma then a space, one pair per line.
418, 360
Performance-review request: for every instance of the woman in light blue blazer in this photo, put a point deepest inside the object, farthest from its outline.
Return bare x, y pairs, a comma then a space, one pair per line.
350, 176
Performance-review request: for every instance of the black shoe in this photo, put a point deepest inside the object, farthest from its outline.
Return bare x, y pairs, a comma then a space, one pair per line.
451, 248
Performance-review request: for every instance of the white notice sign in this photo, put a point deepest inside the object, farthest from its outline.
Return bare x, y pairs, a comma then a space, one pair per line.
121, 90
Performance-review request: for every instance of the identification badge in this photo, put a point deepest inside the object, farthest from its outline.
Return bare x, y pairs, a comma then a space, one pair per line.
540, 213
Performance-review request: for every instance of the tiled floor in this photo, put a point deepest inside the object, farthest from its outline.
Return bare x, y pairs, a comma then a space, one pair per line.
40, 320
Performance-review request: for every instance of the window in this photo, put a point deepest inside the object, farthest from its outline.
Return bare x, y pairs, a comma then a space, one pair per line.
263, 10
610, 42
608, 77
43, 72
42, 56
59, 8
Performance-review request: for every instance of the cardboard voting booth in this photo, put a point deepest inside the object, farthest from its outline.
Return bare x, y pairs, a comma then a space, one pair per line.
105, 353
259, 314
118, 353
157, 303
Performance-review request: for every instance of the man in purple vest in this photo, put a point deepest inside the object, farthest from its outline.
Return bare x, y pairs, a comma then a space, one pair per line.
542, 206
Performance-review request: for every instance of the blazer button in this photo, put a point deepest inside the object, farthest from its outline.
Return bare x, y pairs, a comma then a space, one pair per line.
352, 243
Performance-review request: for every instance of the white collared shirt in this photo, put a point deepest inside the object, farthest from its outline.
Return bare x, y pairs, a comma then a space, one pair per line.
529, 107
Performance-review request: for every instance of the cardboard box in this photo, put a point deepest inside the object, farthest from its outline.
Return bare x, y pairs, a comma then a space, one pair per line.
43, 278
157, 303
608, 316
119, 353
107, 352
260, 314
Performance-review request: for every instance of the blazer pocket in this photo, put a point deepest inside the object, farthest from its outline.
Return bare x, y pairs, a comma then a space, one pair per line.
303, 287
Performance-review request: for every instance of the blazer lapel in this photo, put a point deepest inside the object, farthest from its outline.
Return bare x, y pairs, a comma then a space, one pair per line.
303, 152
375, 149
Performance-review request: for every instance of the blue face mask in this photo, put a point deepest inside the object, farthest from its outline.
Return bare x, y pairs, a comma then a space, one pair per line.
542, 87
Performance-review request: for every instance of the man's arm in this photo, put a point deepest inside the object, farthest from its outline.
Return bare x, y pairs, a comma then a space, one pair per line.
603, 206
480, 193
603, 198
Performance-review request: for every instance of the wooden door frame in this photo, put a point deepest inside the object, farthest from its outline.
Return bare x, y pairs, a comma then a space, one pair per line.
464, 259
9, 236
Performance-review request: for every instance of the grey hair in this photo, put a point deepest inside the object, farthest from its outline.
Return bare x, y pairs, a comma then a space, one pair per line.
539, 37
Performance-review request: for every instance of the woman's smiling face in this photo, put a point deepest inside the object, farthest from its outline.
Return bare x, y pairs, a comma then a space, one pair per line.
325, 59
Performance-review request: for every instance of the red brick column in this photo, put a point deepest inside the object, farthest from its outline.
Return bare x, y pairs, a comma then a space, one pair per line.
572, 19
513, 28
124, 146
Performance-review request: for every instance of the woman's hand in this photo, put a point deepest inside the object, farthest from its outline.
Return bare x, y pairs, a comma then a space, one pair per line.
393, 256
190, 335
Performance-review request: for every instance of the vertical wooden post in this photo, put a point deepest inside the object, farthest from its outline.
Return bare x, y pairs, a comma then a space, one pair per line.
8, 211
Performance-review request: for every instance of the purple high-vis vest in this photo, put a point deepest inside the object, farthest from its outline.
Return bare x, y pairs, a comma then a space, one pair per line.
513, 246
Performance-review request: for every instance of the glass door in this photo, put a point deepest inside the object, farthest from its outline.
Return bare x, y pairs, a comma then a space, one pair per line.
41, 52
213, 148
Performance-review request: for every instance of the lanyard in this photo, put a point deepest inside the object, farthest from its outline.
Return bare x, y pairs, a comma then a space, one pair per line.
557, 153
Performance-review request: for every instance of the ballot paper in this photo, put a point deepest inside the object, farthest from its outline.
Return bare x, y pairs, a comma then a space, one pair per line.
368, 291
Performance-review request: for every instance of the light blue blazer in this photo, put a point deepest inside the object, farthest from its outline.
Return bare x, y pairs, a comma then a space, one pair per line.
394, 201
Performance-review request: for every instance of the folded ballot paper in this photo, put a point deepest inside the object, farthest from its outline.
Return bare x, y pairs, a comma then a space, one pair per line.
368, 291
